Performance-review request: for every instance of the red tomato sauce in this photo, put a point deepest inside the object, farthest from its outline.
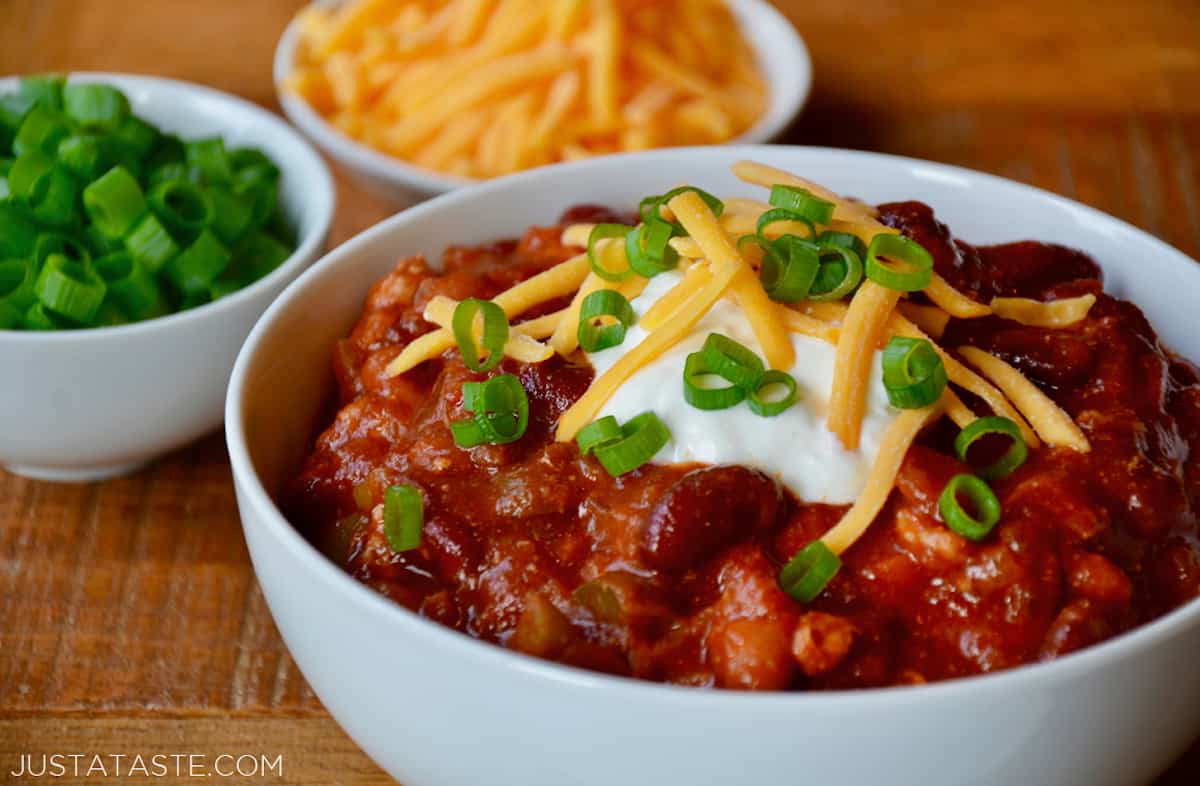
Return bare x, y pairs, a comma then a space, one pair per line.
669, 573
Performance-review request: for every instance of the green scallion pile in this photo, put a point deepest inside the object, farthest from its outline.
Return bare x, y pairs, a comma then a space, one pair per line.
106, 220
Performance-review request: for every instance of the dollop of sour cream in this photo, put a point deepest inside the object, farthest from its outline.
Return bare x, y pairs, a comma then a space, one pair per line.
794, 446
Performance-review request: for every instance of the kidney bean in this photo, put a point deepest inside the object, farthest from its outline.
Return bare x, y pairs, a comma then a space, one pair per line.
706, 510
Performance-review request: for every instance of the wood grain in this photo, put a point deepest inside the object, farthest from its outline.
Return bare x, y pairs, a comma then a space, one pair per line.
130, 621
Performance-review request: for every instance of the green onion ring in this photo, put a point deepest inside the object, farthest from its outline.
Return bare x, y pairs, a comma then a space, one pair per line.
642, 437
994, 424
767, 408
837, 278
495, 333
501, 412
403, 517
789, 273
913, 373
844, 239
732, 361
648, 248
604, 232
780, 214
599, 304
598, 433
802, 202
697, 367
650, 207
70, 289
912, 255
17, 278
983, 499
808, 573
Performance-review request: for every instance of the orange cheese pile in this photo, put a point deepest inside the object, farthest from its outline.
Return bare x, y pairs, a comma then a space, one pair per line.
479, 88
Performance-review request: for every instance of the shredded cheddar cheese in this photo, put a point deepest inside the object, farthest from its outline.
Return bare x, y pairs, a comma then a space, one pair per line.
1049, 420
892, 450
520, 345
930, 319
953, 302
1055, 314
480, 88
866, 320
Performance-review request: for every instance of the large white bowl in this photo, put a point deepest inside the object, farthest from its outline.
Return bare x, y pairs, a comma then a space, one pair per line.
436, 708
87, 404
782, 56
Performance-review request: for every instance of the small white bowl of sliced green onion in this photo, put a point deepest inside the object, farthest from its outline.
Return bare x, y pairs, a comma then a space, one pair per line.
144, 226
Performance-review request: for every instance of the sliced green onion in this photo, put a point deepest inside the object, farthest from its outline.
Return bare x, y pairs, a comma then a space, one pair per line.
780, 214
151, 244
913, 373
468, 433
95, 106
761, 399
994, 424
249, 158
100, 244
838, 277
10, 316
605, 232
207, 158
135, 137
260, 254
70, 289
809, 572
114, 202
403, 517
57, 206
641, 438
40, 132
167, 149
44, 89
29, 177
596, 306
232, 213
843, 239
598, 433
259, 188
195, 299
54, 243
802, 202
195, 268
84, 156
501, 413
131, 287
917, 265
110, 315
985, 506
38, 317
17, 233
224, 286
494, 334
788, 274
172, 170
17, 277
732, 361
181, 206
648, 248
650, 207
470, 395
696, 370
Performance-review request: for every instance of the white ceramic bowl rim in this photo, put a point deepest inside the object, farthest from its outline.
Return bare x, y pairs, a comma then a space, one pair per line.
308, 237
786, 101
491, 655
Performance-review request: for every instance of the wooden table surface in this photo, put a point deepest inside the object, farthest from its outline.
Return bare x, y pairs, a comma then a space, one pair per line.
130, 620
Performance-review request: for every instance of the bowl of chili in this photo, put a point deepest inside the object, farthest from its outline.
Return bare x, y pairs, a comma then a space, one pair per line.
944, 687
